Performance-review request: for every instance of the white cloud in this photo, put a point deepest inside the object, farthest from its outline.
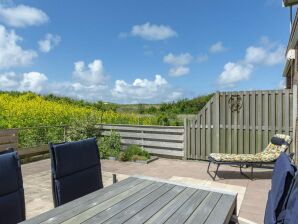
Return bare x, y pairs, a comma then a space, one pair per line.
179, 63
49, 42
11, 54
93, 74
267, 53
182, 59
179, 71
32, 81
263, 55
217, 47
234, 72
144, 89
202, 58
22, 16
151, 32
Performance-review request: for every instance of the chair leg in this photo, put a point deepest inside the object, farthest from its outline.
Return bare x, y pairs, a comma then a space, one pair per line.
252, 173
114, 178
216, 171
213, 177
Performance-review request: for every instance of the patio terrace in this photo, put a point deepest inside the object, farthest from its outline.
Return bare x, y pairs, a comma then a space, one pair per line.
252, 195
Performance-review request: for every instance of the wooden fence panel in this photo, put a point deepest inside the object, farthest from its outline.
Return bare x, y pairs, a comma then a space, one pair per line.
246, 130
8, 139
161, 140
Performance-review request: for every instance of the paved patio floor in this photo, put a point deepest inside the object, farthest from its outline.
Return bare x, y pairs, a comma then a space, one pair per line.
252, 194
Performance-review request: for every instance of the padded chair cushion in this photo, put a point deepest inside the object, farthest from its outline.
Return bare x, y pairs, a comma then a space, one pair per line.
77, 185
11, 207
282, 177
12, 201
76, 170
9, 173
290, 214
80, 155
270, 154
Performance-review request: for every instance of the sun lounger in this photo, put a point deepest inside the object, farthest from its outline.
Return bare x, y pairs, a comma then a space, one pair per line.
279, 143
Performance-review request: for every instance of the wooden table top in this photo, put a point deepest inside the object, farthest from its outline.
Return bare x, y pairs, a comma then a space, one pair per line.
145, 200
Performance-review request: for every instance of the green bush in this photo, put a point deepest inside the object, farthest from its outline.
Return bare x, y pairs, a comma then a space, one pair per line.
134, 152
110, 145
82, 128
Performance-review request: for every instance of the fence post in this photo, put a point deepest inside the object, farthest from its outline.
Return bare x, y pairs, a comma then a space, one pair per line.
217, 122
185, 140
64, 133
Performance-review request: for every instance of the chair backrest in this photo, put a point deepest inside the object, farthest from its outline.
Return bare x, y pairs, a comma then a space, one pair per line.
12, 200
76, 170
282, 176
289, 214
279, 143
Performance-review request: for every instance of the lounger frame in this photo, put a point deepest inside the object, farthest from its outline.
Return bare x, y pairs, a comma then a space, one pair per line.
240, 164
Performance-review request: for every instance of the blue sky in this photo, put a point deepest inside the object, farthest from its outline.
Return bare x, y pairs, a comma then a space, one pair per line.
141, 51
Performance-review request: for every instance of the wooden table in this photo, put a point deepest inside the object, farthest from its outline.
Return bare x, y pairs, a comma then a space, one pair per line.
145, 200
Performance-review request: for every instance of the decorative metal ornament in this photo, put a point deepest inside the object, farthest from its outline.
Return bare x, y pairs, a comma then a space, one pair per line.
235, 103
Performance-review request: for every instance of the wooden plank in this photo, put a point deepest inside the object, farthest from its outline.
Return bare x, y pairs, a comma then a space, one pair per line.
240, 147
247, 123
259, 119
188, 138
70, 208
287, 112
253, 124
203, 211
87, 211
185, 155
139, 205
203, 137
193, 139
280, 114
216, 124
8, 139
266, 120
154, 207
273, 114
235, 131
229, 131
198, 138
208, 131
223, 210
8, 132
174, 137
174, 145
168, 152
166, 212
223, 111
183, 213
159, 129
6, 146
101, 217
34, 151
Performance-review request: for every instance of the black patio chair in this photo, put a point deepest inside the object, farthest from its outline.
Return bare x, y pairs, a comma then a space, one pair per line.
76, 170
282, 178
12, 199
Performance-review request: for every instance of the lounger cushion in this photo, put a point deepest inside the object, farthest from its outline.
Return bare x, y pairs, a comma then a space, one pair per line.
270, 154
277, 141
282, 177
